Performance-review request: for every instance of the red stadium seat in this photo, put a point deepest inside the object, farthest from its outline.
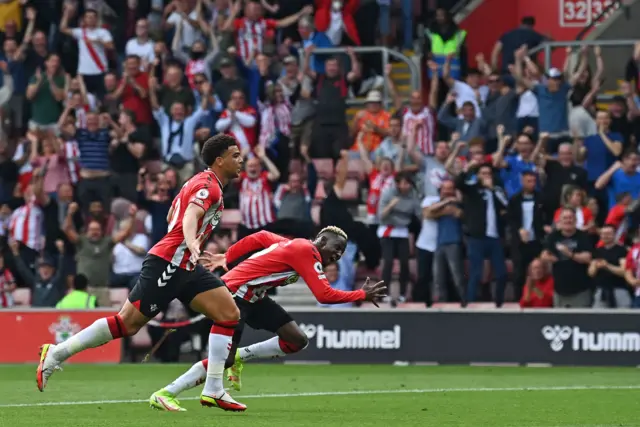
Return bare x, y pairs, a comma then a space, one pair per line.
320, 191
324, 168
231, 218
351, 190
355, 169
22, 296
118, 296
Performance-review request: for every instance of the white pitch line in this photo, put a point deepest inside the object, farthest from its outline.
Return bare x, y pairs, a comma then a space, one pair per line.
343, 393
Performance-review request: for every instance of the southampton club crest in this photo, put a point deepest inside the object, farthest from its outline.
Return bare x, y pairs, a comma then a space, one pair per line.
63, 329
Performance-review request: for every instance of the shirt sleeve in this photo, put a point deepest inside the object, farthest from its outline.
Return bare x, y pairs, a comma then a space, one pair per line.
105, 36
254, 242
76, 33
629, 265
206, 194
305, 260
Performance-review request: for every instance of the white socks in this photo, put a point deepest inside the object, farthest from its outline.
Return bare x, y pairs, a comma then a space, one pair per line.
95, 335
262, 350
193, 377
219, 345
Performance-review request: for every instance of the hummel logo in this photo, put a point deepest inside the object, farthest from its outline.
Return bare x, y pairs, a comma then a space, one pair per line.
166, 275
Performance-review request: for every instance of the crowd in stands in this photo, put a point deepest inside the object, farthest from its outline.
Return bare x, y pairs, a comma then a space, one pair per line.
498, 163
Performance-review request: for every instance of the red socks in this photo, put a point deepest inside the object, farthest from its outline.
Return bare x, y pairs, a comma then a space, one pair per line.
116, 327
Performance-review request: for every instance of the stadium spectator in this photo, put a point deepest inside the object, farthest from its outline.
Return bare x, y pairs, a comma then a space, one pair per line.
372, 122
607, 271
93, 251
198, 60
485, 227
560, 172
7, 285
330, 132
128, 256
36, 54
499, 108
621, 177
129, 145
538, 287
574, 198
141, 45
93, 44
240, 120
303, 111
426, 245
448, 257
526, 219
177, 129
184, 16
230, 81
133, 90
394, 147
583, 96
569, 250
156, 200
341, 274
446, 42
47, 283
469, 91
256, 193
293, 205
504, 50
25, 228
468, 125
632, 272
397, 206
49, 160
432, 166
78, 298
45, 92
523, 159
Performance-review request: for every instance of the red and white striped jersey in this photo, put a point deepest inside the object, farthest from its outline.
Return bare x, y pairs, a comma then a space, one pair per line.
71, 153
204, 190
280, 262
251, 34
632, 263
377, 184
426, 133
193, 67
256, 197
7, 285
25, 225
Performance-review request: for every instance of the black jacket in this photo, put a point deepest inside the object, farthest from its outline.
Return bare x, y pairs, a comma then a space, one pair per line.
514, 216
475, 206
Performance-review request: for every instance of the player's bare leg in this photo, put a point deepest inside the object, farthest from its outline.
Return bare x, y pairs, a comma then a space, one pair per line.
126, 323
219, 306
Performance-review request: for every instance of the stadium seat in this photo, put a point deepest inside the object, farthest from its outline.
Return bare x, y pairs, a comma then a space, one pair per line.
320, 191
231, 218
120, 207
118, 296
324, 168
351, 189
355, 169
22, 296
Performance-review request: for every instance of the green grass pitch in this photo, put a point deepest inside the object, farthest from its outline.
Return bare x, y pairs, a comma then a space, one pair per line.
331, 396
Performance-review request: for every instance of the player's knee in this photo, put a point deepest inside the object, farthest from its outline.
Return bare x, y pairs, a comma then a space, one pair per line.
229, 313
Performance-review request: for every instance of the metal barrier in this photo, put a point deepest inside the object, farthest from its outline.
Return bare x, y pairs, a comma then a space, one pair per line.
547, 48
386, 55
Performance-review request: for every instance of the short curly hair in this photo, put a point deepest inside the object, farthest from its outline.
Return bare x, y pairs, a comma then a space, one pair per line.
216, 146
335, 230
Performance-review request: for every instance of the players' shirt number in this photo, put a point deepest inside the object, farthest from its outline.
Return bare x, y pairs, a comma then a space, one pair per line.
174, 218
264, 251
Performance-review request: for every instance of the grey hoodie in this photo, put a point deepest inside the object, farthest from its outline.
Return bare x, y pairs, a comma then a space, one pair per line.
401, 214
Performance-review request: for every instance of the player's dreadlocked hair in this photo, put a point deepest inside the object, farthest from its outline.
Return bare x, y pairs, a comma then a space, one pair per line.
335, 230
215, 147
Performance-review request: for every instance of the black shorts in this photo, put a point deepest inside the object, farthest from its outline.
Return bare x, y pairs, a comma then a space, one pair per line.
263, 314
161, 282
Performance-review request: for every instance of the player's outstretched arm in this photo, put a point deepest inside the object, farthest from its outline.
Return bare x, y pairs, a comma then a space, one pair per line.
255, 242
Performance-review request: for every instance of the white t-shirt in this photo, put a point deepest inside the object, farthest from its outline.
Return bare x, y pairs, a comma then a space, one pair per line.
26, 167
466, 94
528, 105
336, 26
92, 59
144, 51
428, 238
125, 261
189, 34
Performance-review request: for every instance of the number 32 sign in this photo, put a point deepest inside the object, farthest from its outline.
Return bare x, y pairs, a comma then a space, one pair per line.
578, 13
